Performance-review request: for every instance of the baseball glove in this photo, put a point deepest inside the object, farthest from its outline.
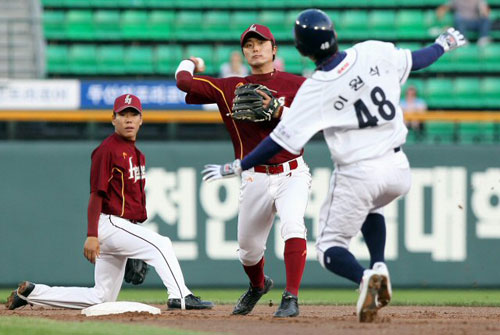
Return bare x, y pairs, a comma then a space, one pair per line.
135, 271
248, 104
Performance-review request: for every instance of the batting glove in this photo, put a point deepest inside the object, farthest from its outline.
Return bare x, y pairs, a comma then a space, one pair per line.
451, 39
214, 172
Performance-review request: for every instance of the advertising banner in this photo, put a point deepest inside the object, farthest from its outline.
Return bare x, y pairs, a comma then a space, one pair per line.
39, 94
154, 94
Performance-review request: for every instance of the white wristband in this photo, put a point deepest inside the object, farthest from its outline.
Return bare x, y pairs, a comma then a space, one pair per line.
185, 65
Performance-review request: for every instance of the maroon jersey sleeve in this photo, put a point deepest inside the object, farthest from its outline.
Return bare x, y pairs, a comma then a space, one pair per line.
205, 90
100, 170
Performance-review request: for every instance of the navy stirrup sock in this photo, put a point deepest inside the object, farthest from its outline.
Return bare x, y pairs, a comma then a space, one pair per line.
373, 230
341, 262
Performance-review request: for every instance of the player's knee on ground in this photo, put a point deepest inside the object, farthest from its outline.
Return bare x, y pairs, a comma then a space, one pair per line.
293, 228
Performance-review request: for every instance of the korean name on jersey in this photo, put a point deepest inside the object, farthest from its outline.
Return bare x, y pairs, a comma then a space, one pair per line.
356, 104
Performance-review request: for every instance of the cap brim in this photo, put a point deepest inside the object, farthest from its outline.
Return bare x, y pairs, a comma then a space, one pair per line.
125, 107
256, 33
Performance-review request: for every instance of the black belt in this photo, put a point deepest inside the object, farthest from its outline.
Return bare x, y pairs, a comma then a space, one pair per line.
398, 149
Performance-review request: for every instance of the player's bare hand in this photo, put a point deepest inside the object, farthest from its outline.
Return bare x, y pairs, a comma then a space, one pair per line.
266, 99
199, 64
91, 249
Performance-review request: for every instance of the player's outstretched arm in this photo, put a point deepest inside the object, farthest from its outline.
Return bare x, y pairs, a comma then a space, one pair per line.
447, 41
260, 155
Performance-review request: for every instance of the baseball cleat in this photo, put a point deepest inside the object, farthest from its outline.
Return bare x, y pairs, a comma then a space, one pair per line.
191, 301
385, 291
250, 298
367, 306
289, 306
18, 297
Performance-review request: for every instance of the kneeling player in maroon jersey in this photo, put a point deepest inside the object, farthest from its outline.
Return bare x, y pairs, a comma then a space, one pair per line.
117, 203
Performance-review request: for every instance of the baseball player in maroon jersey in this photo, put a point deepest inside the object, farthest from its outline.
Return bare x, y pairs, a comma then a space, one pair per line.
117, 203
281, 186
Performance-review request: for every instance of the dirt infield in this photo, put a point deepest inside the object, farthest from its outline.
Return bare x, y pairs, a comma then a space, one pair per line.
312, 320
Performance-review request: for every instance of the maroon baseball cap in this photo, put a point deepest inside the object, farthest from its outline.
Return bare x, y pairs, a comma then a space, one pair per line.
260, 30
127, 101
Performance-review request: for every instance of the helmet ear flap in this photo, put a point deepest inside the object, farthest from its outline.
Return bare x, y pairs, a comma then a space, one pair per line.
315, 36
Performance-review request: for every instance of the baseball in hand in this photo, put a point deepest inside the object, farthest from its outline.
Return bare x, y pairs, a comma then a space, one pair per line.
200, 64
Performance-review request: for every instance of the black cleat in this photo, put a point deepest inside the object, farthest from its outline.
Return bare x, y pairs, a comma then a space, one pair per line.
191, 301
289, 306
14, 300
250, 298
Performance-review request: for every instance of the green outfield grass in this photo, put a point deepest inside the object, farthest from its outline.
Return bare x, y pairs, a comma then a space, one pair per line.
428, 297
15, 325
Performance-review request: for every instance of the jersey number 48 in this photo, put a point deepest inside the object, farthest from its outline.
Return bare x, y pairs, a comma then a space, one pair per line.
385, 108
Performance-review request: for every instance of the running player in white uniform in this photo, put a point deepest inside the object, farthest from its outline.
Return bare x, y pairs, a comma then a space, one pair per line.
354, 98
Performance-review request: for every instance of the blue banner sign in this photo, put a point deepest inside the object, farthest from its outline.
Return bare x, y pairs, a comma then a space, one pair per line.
154, 94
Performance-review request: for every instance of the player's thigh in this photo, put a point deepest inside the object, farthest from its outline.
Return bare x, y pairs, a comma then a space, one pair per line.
291, 202
256, 212
394, 178
343, 212
121, 237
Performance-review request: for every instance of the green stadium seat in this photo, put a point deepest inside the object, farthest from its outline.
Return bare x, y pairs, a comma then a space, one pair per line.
271, 4
435, 25
466, 59
207, 53
197, 4
139, 60
82, 59
382, 3
53, 24
275, 21
490, 92
134, 25
215, 25
57, 59
490, 60
118, 3
438, 92
381, 24
79, 25
167, 58
241, 21
223, 52
52, 3
412, 137
410, 24
476, 132
160, 24
160, 3
107, 25
439, 132
292, 59
354, 25
76, 3
110, 59
466, 93
298, 3
188, 25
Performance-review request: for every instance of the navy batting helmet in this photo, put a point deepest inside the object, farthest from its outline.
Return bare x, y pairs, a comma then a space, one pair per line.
314, 34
